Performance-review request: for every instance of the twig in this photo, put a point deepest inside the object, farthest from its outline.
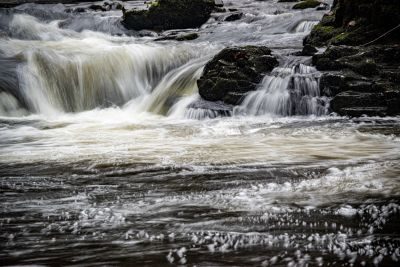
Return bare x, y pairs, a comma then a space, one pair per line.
383, 35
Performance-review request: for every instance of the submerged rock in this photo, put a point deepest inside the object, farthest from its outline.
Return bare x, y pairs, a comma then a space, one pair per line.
234, 72
179, 37
170, 14
234, 16
307, 4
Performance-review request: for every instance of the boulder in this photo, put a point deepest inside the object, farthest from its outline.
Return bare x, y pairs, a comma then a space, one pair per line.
234, 16
234, 72
169, 14
308, 50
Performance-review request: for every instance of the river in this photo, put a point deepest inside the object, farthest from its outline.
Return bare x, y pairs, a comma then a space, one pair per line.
106, 159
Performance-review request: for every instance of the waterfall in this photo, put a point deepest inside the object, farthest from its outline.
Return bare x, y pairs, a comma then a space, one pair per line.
305, 26
58, 70
287, 91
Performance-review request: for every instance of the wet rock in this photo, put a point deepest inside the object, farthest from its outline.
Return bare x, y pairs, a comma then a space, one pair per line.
219, 10
234, 16
308, 50
356, 104
187, 37
355, 22
179, 37
234, 72
307, 4
211, 109
364, 81
97, 8
169, 14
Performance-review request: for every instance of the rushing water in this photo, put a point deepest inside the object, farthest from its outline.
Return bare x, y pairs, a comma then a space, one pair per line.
109, 157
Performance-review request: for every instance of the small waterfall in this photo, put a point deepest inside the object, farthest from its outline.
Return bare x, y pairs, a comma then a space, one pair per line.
200, 109
178, 84
288, 91
10, 106
305, 26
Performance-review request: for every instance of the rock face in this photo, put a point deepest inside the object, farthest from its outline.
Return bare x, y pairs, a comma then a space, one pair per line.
169, 14
362, 80
356, 22
234, 72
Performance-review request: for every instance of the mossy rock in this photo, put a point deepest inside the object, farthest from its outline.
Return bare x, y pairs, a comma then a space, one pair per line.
321, 35
234, 72
307, 4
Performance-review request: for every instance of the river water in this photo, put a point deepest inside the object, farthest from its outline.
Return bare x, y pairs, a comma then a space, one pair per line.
109, 157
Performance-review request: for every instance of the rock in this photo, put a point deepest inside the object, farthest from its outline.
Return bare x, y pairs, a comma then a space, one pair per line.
356, 22
288, 1
169, 14
356, 104
365, 80
212, 109
308, 50
97, 8
187, 37
234, 16
219, 3
234, 72
307, 4
180, 37
219, 10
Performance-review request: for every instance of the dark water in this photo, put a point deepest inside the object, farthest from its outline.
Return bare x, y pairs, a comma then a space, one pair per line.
104, 161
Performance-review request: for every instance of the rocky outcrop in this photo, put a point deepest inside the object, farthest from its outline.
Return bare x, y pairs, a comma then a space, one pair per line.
361, 70
356, 22
169, 14
361, 80
234, 72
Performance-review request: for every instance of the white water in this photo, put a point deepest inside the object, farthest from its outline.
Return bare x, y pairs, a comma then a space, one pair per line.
116, 160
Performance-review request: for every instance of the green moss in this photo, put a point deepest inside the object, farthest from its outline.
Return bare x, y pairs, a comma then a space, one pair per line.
341, 38
328, 20
307, 4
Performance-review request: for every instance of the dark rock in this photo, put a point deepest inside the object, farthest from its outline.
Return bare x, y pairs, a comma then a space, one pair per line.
234, 16
187, 37
365, 81
307, 4
355, 22
170, 14
79, 10
219, 10
97, 8
308, 50
356, 104
212, 109
181, 37
234, 72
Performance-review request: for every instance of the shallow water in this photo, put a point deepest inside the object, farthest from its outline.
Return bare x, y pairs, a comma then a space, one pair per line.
103, 160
